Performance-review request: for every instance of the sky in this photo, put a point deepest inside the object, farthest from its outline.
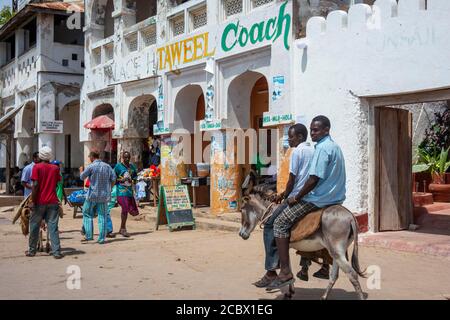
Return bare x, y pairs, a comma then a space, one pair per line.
5, 3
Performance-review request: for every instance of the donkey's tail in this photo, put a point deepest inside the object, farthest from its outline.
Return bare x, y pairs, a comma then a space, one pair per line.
355, 259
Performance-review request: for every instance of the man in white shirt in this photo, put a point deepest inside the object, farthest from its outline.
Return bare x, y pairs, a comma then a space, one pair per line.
298, 174
26, 175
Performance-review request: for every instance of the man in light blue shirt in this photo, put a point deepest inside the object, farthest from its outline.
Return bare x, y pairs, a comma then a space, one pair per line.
298, 174
26, 175
324, 187
102, 178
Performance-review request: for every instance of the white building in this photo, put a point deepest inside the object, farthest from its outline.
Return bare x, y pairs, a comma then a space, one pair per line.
158, 66
42, 66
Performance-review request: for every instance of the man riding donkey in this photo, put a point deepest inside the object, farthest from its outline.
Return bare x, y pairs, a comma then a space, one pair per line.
324, 187
298, 174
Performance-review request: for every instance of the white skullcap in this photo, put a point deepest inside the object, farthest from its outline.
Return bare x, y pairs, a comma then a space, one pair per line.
46, 154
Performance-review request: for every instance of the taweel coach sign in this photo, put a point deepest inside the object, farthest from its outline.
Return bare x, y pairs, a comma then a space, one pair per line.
238, 34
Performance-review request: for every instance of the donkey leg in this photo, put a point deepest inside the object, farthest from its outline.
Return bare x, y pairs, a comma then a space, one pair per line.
351, 274
333, 278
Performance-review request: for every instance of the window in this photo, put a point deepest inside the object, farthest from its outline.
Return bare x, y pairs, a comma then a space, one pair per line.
30, 35
65, 63
259, 3
199, 17
177, 25
149, 36
64, 35
232, 7
132, 42
74, 57
145, 9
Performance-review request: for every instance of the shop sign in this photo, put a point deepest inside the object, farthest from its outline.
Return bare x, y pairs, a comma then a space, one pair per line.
271, 120
52, 126
182, 52
212, 125
236, 34
157, 130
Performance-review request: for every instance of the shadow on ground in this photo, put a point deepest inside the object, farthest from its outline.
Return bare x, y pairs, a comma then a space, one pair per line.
316, 294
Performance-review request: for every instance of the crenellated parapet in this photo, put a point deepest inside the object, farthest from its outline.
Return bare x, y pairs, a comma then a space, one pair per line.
362, 17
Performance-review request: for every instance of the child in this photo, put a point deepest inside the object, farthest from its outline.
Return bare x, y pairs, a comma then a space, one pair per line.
140, 190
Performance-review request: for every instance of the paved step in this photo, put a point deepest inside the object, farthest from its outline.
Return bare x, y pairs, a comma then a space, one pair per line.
407, 241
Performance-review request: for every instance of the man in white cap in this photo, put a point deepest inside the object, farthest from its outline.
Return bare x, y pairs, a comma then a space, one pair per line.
45, 177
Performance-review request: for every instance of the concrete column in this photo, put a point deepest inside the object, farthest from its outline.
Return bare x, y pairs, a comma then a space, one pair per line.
171, 170
47, 140
226, 176
24, 150
284, 160
20, 42
3, 53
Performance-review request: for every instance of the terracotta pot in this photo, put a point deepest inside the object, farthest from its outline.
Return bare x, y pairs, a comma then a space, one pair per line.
441, 192
438, 178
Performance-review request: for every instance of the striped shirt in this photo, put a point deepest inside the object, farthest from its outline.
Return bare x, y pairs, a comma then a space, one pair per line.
100, 175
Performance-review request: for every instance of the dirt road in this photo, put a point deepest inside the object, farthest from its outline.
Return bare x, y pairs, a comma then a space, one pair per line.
190, 265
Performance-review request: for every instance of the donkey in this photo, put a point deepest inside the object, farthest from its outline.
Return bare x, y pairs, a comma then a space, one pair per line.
337, 231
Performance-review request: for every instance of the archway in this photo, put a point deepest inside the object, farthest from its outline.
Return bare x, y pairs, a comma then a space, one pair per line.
69, 149
248, 100
189, 109
102, 15
142, 116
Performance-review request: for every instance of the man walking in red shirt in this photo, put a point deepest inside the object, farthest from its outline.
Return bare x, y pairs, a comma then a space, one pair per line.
45, 177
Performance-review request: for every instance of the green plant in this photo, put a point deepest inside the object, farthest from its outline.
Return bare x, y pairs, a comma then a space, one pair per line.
5, 15
435, 162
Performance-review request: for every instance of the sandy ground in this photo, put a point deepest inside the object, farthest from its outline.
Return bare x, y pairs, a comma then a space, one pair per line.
197, 265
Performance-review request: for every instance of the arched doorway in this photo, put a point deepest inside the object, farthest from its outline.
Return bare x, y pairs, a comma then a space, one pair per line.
248, 100
188, 112
102, 16
101, 133
69, 149
142, 116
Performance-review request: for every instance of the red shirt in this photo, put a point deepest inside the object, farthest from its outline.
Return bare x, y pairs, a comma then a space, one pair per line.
47, 176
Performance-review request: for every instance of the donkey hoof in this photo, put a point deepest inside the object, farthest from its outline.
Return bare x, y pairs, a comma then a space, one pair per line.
323, 298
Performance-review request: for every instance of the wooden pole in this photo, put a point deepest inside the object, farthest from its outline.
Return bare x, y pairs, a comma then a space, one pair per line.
8, 163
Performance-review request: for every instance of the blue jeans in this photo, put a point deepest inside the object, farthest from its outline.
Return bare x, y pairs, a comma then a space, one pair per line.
272, 259
51, 216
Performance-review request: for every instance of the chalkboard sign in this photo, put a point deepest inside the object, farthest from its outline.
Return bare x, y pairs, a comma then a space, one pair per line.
175, 208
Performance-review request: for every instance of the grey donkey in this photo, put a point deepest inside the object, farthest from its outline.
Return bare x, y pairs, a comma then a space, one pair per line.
338, 230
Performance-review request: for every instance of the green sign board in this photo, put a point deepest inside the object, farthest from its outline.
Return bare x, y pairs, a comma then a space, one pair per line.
175, 208
236, 34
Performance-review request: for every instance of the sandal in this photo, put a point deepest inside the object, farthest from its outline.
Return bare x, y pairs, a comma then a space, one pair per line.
263, 282
278, 283
322, 274
303, 275
30, 254
124, 233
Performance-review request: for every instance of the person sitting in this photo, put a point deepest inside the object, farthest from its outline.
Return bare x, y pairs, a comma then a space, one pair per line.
298, 174
324, 187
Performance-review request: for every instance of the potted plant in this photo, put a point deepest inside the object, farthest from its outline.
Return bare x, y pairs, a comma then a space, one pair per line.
437, 164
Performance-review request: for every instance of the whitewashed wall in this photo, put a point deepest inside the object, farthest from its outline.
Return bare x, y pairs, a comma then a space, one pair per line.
387, 49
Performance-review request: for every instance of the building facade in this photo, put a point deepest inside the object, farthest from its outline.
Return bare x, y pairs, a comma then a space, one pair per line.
199, 71
191, 68
42, 72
